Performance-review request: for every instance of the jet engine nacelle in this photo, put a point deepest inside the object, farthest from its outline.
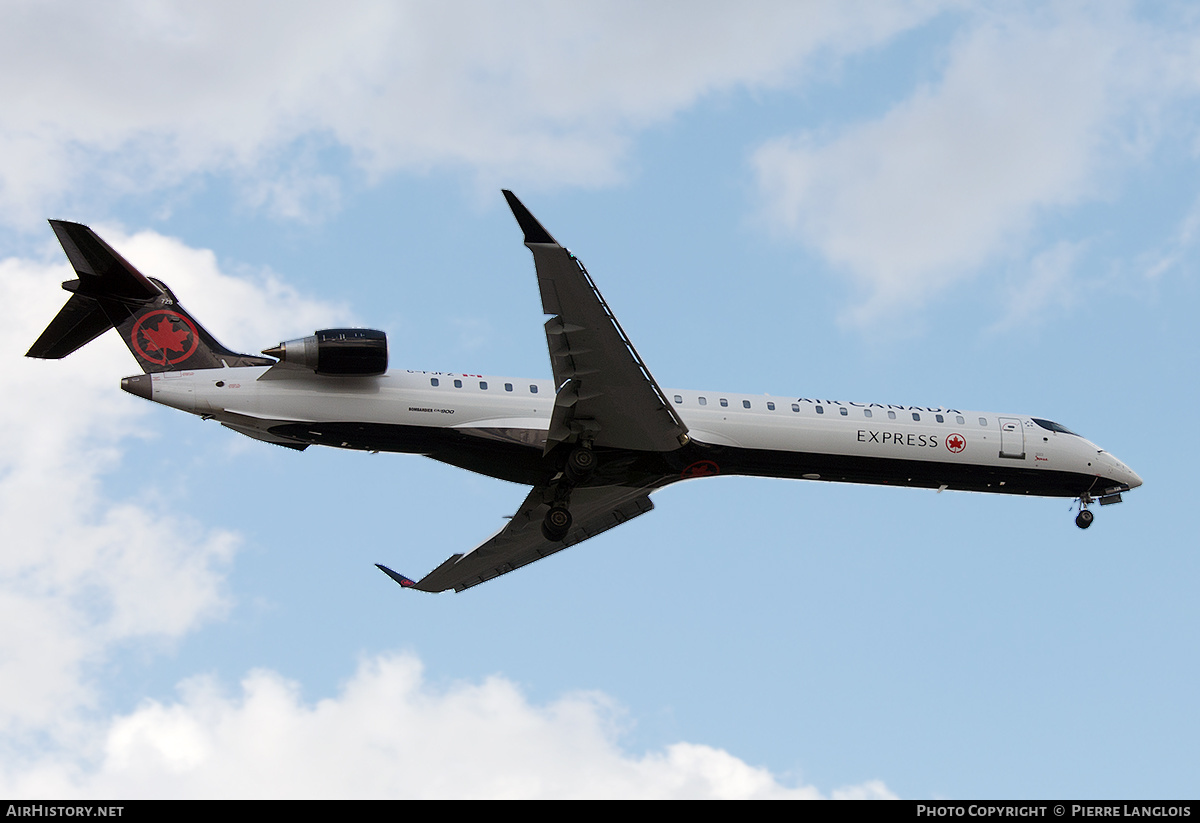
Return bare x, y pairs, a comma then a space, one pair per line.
337, 351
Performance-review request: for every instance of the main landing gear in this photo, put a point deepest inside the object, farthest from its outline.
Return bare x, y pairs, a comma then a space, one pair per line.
557, 523
581, 462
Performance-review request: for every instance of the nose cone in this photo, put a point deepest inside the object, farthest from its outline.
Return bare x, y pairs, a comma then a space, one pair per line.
1123, 473
139, 385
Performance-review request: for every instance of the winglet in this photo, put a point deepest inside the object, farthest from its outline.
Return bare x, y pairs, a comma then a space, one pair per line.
534, 232
399, 578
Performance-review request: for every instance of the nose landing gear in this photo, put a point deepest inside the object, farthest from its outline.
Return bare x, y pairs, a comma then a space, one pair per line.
1085, 517
1106, 498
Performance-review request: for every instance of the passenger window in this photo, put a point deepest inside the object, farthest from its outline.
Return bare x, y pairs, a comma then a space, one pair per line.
916, 416
939, 418
724, 402
483, 384
891, 415
795, 407
508, 386
820, 409
678, 398
843, 411
770, 406
867, 413
983, 421
458, 384
703, 401
959, 419
532, 389
745, 404
433, 381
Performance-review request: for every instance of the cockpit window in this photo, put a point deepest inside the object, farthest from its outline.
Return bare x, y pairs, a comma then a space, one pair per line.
1050, 425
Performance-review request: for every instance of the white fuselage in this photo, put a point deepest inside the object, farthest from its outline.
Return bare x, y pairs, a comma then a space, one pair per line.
263, 402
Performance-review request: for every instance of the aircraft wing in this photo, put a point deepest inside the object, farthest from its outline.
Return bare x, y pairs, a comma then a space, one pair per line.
520, 542
604, 389
604, 393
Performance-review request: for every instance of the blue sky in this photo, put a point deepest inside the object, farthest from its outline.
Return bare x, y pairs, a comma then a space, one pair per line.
984, 206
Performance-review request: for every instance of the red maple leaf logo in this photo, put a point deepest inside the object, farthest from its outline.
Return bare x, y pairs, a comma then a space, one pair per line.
956, 443
156, 338
701, 468
165, 339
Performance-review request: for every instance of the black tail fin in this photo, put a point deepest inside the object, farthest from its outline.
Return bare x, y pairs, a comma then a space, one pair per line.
112, 293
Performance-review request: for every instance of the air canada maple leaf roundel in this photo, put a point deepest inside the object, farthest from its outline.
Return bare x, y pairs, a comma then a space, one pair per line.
164, 337
701, 468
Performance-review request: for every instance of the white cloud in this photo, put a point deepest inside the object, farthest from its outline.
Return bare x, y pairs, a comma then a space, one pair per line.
1034, 112
129, 97
1177, 250
1049, 286
389, 734
83, 568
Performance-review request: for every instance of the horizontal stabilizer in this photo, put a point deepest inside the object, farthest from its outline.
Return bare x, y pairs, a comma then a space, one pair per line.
77, 323
102, 272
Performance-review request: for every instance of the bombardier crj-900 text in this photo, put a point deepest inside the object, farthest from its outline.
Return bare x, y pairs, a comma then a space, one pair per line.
593, 442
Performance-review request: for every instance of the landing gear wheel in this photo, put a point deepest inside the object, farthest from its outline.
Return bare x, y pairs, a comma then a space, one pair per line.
1084, 519
557, 524
580, 465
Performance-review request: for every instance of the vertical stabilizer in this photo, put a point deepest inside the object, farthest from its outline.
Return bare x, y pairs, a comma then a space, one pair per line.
111, 293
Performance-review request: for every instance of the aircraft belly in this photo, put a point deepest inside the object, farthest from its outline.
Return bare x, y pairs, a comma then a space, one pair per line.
494, 457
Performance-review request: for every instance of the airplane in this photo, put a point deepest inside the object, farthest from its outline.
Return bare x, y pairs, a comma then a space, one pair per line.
592, 443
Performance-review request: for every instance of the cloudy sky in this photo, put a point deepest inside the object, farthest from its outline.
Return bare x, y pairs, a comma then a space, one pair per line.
980, 205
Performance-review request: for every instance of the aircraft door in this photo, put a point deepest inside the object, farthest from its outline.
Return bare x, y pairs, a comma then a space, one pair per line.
1012, 438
